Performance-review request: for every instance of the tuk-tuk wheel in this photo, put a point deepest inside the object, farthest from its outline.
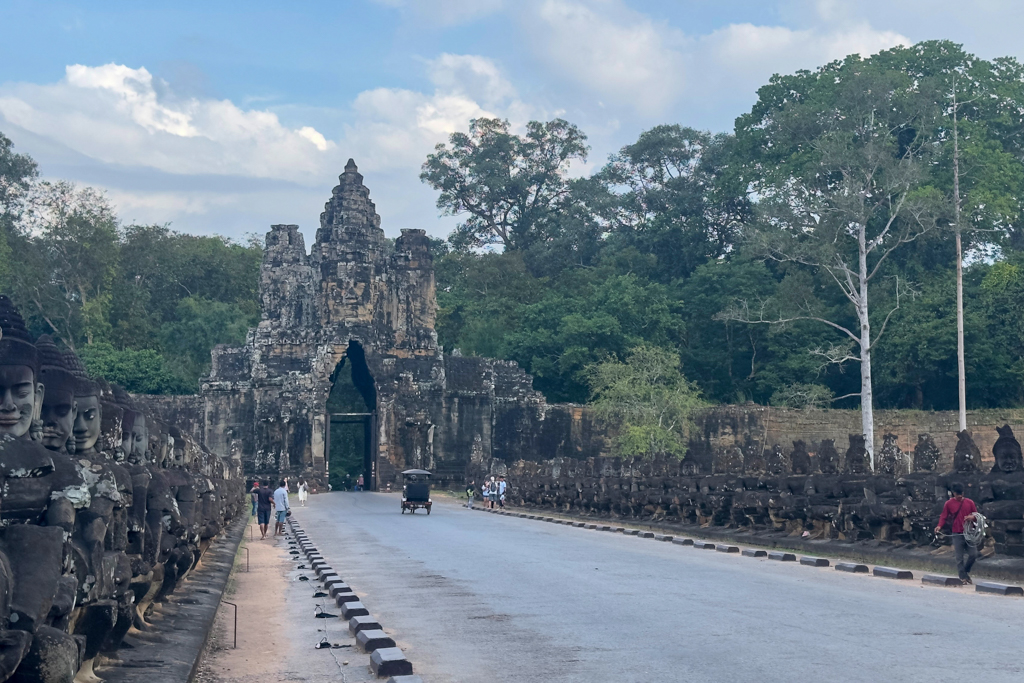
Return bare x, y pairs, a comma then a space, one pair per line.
428, 510
403, 509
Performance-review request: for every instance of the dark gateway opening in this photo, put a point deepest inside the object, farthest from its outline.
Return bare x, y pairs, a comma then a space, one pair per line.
351, 420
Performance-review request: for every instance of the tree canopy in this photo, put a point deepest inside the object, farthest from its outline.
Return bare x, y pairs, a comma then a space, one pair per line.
683, 227
142, 305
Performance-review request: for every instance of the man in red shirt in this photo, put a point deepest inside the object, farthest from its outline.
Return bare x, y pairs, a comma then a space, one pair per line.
960, 510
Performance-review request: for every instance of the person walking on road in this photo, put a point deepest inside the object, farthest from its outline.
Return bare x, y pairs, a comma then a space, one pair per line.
359, 483
303, 492
501, 492
958, 510
264, 499
254, 494
281, 503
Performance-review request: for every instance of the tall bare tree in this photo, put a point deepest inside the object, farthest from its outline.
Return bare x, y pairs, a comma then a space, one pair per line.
853, 194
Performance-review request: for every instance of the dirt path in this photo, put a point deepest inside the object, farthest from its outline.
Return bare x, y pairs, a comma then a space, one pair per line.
277, 630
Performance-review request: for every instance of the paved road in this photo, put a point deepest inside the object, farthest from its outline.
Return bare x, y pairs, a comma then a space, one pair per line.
476, 597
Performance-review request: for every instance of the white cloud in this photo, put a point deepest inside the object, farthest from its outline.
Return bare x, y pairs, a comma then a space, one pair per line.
108, 125
742, 57
615, 52
115, 114
634, 63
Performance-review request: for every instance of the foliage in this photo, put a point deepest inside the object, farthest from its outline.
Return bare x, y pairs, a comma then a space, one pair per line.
673, 229
647, 399
510, 185
144, 303
140, 371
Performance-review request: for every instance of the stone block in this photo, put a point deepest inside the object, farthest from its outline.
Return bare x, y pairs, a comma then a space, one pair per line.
938, 580
620, 529
357, 624
852, 568
53, 657
814, 562
727, 548
389, 661
605, 528
663, 537
632, 532
646, 534
36, 574
592, 526
549, 519
580, 525
354, 609
754, 552
373, 639
683, 541
13, 647
405, 679
342, 598
781, 556
337, 589
997, 588
703, 545
892, 573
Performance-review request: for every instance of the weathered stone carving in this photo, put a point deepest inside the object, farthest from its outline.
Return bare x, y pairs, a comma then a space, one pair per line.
800, 458
828, 457
926, 453
1006, 451
966, 456
858, 506
71, 543
891, 459
856, 460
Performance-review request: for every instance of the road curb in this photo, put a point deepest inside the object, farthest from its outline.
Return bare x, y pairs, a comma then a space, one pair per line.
386, 660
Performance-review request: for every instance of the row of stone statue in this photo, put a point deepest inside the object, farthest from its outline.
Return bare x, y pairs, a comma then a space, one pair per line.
104, 509
890, 459
835, 504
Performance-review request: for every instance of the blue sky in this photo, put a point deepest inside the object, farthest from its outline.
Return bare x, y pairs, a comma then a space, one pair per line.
226, 117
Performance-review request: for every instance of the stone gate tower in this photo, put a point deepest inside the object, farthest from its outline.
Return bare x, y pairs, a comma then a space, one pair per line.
357, 297
266, 400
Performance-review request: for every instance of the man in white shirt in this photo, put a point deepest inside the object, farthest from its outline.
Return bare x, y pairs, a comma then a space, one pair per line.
502, 485
281, 503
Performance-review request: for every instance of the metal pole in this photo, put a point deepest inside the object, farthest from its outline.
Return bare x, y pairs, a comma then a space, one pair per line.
246, 559
234, 644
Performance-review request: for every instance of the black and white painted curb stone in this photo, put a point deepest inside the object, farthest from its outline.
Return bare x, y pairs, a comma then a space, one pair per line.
386, 660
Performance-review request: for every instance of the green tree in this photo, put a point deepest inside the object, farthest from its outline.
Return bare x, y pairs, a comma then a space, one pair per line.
139, 371
69, 242
17, 171
648, 401
668, 194
509, 185
839, 162
200, 324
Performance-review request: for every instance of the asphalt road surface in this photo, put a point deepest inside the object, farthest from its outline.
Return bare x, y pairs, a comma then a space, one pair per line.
478, 597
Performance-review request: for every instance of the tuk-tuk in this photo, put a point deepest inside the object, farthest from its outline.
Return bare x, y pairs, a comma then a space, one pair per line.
416, 490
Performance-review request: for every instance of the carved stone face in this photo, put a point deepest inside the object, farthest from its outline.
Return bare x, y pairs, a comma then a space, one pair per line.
58, 416
139, 439
87, 423
1007, 459
21, 394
